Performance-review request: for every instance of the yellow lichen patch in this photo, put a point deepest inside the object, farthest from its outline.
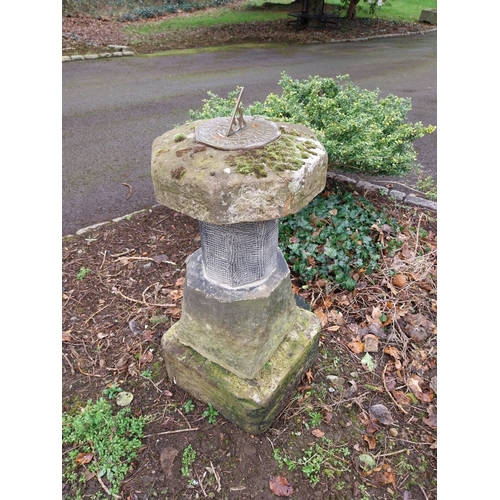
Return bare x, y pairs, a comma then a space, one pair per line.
160, 151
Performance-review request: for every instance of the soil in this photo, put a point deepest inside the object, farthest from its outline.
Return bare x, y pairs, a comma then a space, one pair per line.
113, 319
84, 34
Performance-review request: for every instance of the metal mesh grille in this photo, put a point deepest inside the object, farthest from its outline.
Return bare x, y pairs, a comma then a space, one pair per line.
239, 254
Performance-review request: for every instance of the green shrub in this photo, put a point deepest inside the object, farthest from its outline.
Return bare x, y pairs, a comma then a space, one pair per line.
107, 444
360, 131
333, 238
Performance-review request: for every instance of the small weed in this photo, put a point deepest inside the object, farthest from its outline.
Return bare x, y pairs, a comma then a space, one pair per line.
340, 485
364, 492
112, 391
412, 472
105, 443
188, 406
188, 457
318, 459
284, 460
82, 273
316, 418
428, 187
211, 414
147, 374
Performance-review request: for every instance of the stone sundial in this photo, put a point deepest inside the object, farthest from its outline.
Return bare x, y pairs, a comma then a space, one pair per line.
242, 343
237, 131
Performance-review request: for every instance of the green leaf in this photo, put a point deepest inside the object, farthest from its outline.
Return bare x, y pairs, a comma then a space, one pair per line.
124, 398
369, 362
366, 462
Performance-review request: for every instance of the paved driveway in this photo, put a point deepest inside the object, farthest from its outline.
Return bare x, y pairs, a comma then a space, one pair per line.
113, 109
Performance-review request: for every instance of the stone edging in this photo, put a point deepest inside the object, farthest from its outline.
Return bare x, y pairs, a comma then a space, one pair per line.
117, 51
407, 199
122, 50
367, 186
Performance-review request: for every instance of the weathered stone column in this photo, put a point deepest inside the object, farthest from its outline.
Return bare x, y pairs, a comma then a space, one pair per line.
241, 343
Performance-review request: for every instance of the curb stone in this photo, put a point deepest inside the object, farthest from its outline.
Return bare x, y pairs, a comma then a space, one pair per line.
391, 193
118, 51
409, 199
122, 50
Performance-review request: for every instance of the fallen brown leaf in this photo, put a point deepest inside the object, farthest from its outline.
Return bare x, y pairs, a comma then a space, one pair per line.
335, 328
322, 316
413, 384
375, 316
280, 486
431, 421
372, 442
167, 457
147, 357
399, 280
148, 335
383, 476
401, 398
84, 458
317, 433
356, 347
392, 351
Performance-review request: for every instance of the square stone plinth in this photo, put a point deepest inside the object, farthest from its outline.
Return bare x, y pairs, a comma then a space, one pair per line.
250, 404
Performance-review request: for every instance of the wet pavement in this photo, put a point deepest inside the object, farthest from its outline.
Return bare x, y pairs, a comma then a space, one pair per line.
113, 109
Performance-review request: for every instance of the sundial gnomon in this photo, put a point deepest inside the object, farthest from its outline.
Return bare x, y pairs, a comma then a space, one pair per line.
237, 131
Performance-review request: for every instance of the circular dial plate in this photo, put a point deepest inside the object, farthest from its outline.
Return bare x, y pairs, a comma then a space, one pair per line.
257, 133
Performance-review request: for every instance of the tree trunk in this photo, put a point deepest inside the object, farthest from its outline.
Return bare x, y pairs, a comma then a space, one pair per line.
314, 8
351, 11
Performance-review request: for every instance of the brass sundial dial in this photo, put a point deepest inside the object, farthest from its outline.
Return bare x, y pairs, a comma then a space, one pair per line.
237, 131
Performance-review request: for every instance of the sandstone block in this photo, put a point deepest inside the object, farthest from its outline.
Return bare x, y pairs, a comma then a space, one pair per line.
207, 184
250, 404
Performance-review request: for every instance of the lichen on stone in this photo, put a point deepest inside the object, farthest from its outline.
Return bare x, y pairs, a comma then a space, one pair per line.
178, 172
181, 152
160, 151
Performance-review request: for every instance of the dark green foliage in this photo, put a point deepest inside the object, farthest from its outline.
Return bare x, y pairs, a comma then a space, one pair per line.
333, 238
360, 131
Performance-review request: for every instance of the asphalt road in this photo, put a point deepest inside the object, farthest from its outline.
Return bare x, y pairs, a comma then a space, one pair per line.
113, 109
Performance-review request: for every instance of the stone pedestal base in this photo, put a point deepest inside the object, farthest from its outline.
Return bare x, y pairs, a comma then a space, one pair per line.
250, 404
236, 328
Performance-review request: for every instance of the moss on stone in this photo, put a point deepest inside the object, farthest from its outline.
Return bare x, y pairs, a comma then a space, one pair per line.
285, 153
179, 137
250, 404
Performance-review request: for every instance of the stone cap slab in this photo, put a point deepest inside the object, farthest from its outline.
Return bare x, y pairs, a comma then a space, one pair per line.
228, 187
